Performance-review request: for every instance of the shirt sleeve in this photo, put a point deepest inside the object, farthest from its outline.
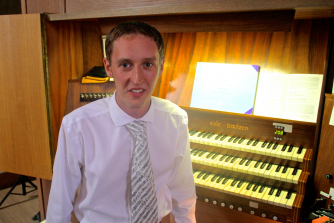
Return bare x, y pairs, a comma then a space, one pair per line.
66, 177
181, 183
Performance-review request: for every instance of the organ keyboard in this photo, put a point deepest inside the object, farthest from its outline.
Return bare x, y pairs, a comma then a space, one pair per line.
239, 163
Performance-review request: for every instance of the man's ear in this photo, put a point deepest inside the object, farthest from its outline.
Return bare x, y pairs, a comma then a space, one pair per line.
107, 67
162, 66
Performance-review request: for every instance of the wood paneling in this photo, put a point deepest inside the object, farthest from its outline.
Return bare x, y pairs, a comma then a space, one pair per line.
47, 6
303, 50
24, 134
65, 60
325, 153
264, 21
305, 8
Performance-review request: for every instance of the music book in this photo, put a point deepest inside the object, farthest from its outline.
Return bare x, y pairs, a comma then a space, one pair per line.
225, 87
288, 96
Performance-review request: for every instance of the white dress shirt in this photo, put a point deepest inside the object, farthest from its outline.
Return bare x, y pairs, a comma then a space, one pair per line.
95, 150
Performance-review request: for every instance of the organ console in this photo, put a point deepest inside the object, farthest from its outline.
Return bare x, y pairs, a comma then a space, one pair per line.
240, 163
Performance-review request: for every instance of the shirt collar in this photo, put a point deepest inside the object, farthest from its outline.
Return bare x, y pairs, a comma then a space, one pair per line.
119, 117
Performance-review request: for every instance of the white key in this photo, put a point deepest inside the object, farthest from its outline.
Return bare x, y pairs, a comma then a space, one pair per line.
192, 135
272, 196
211, 141
198, 178
290, 201
205, 178
229, 142
241, 165
223, 164
269, 148
278, 172
244, 189
235, 143
261, 192
226, 182
256, 169
218, 182
285, 152
232, 187
256, 190
301, 155
263, 168
285, 173
280, 151
240, 187
278, 197
268, 170
292, 150
250, 167
217, 160
266, 196
241, 144
222, 141
216, 141
262, 148
212, 181
212, 158
273, 173
233, 164
283, 200
275, 149
296, 176
249, 191
206, 139
203, 157
255, 145
248, 145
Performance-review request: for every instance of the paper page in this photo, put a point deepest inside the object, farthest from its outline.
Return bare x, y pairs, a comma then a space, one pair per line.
225, 87
303, 97
271, 94
331, 121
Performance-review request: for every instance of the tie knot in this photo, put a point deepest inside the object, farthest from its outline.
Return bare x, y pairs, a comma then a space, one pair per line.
136, 127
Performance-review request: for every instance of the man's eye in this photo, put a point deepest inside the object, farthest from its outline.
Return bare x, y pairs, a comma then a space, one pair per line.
125, 65
148, 64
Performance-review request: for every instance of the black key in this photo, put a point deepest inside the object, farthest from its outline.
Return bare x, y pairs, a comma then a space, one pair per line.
234, 182
284, 148
255, 143
270, 145
215, 156
285, 169
222, 138
290, 149
262, 189
278, 193
249, 142
201, 174
234, 159
248, 162
295, 171
300, 150
231, 139
269, 166
288, 196
223, 157
257, 164
209, 136
193, 132
206, 176
225, 180
200, 135
202, 153
242, 161
229, 158
236, 140
264, 144
210, 155
206, 134
278, 168
193, 151
197, 152
255, 187
218, 136
271, 191
240, 183
275, 146
249, 186
214, 178
219, 179
263, 165
241, 140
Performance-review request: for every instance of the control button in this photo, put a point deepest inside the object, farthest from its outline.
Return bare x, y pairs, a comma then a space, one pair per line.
231, 206
206, 200
264, 215
275, 218
222, 204
329, 176
214, 202
239, 208
252, 212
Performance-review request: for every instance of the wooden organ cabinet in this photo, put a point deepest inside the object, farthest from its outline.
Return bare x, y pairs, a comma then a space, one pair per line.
39, 53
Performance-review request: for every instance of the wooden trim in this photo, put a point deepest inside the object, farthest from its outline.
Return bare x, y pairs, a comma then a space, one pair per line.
315, 10
264, 21
23, 6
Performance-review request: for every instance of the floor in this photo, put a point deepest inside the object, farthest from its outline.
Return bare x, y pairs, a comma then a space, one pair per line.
19, 208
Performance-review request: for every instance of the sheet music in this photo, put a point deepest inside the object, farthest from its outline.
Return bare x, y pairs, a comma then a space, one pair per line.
225, 87
289, 96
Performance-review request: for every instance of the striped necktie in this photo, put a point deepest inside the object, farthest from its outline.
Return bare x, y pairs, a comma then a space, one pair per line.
143, 195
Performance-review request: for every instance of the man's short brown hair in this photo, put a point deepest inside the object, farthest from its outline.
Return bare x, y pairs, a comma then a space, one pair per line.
133, 27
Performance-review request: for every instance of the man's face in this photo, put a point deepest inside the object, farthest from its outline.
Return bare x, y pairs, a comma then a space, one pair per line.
135, 67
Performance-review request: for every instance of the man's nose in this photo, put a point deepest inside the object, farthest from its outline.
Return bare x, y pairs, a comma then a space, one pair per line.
136, 75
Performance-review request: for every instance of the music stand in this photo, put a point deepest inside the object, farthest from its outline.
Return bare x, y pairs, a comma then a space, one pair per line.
22, 179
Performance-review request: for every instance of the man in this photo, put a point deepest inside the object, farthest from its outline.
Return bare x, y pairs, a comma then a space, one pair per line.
97, 148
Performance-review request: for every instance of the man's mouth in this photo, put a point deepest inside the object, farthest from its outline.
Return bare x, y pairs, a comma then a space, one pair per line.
137, 91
